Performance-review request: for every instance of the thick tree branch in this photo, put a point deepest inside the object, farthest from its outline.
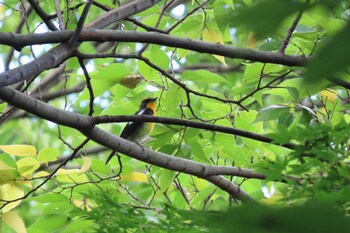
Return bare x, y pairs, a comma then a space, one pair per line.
121, 12
18, 41
51, 59
166, 161
85, 125
234, 190
45, 111
62, 52
340, 82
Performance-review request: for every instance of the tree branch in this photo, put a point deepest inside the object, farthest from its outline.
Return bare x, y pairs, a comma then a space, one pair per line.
188, 123
62, 52
85, 125
18, 41
290, 32
42, 15
121, 12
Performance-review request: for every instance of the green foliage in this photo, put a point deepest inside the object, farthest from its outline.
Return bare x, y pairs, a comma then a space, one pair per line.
114, 217
265, 16
322, 159
331, 59
261, 219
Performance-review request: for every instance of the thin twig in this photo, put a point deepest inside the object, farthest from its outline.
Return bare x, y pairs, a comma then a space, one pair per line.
290, 32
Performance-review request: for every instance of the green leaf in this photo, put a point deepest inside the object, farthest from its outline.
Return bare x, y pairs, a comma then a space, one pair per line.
271, 112
319, 217
104, 79
166, 179
49, 223
99, 166
197, 150
332, 59
245, 122
159, 57
203, 77
264, 17
253, 187
58, 207
27, 166
112, 73
49, 198
174, 96
48, 154
3, 106
79, 225
145, 70
304, 89
223, 14
254, 71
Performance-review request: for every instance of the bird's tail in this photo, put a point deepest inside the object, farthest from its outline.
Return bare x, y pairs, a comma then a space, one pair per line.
114, 152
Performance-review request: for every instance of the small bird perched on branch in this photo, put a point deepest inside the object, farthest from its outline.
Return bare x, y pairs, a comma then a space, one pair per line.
139, 131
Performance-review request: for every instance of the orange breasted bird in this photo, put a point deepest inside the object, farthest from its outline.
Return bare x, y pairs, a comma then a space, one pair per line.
139, 131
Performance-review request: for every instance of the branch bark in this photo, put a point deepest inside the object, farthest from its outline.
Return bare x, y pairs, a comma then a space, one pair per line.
62, 52
86, 126
188, 123
18, 41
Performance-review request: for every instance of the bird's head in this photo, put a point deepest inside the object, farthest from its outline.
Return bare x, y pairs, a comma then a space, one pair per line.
149, 103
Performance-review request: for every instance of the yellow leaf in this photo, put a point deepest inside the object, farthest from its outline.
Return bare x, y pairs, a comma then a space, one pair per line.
63, 171
86, 165
251, 41
27, 183
214, 36
5, 167
135, 177
86, 204
14, 221
329, 94
74, 175
27, 166
10, 191
41, 174
6, 176
19, 150
72, 178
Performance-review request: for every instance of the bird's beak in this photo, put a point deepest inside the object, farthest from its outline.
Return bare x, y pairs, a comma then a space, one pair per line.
154, 99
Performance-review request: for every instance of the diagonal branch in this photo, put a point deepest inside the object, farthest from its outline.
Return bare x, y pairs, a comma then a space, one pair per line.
62, 52
121, 12
42, 15
85, 125
80, 24
290, 32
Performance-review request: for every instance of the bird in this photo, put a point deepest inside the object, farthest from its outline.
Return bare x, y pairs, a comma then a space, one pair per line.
139, 131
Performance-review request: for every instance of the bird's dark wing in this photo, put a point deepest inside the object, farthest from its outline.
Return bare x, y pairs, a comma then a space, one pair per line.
132, 126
